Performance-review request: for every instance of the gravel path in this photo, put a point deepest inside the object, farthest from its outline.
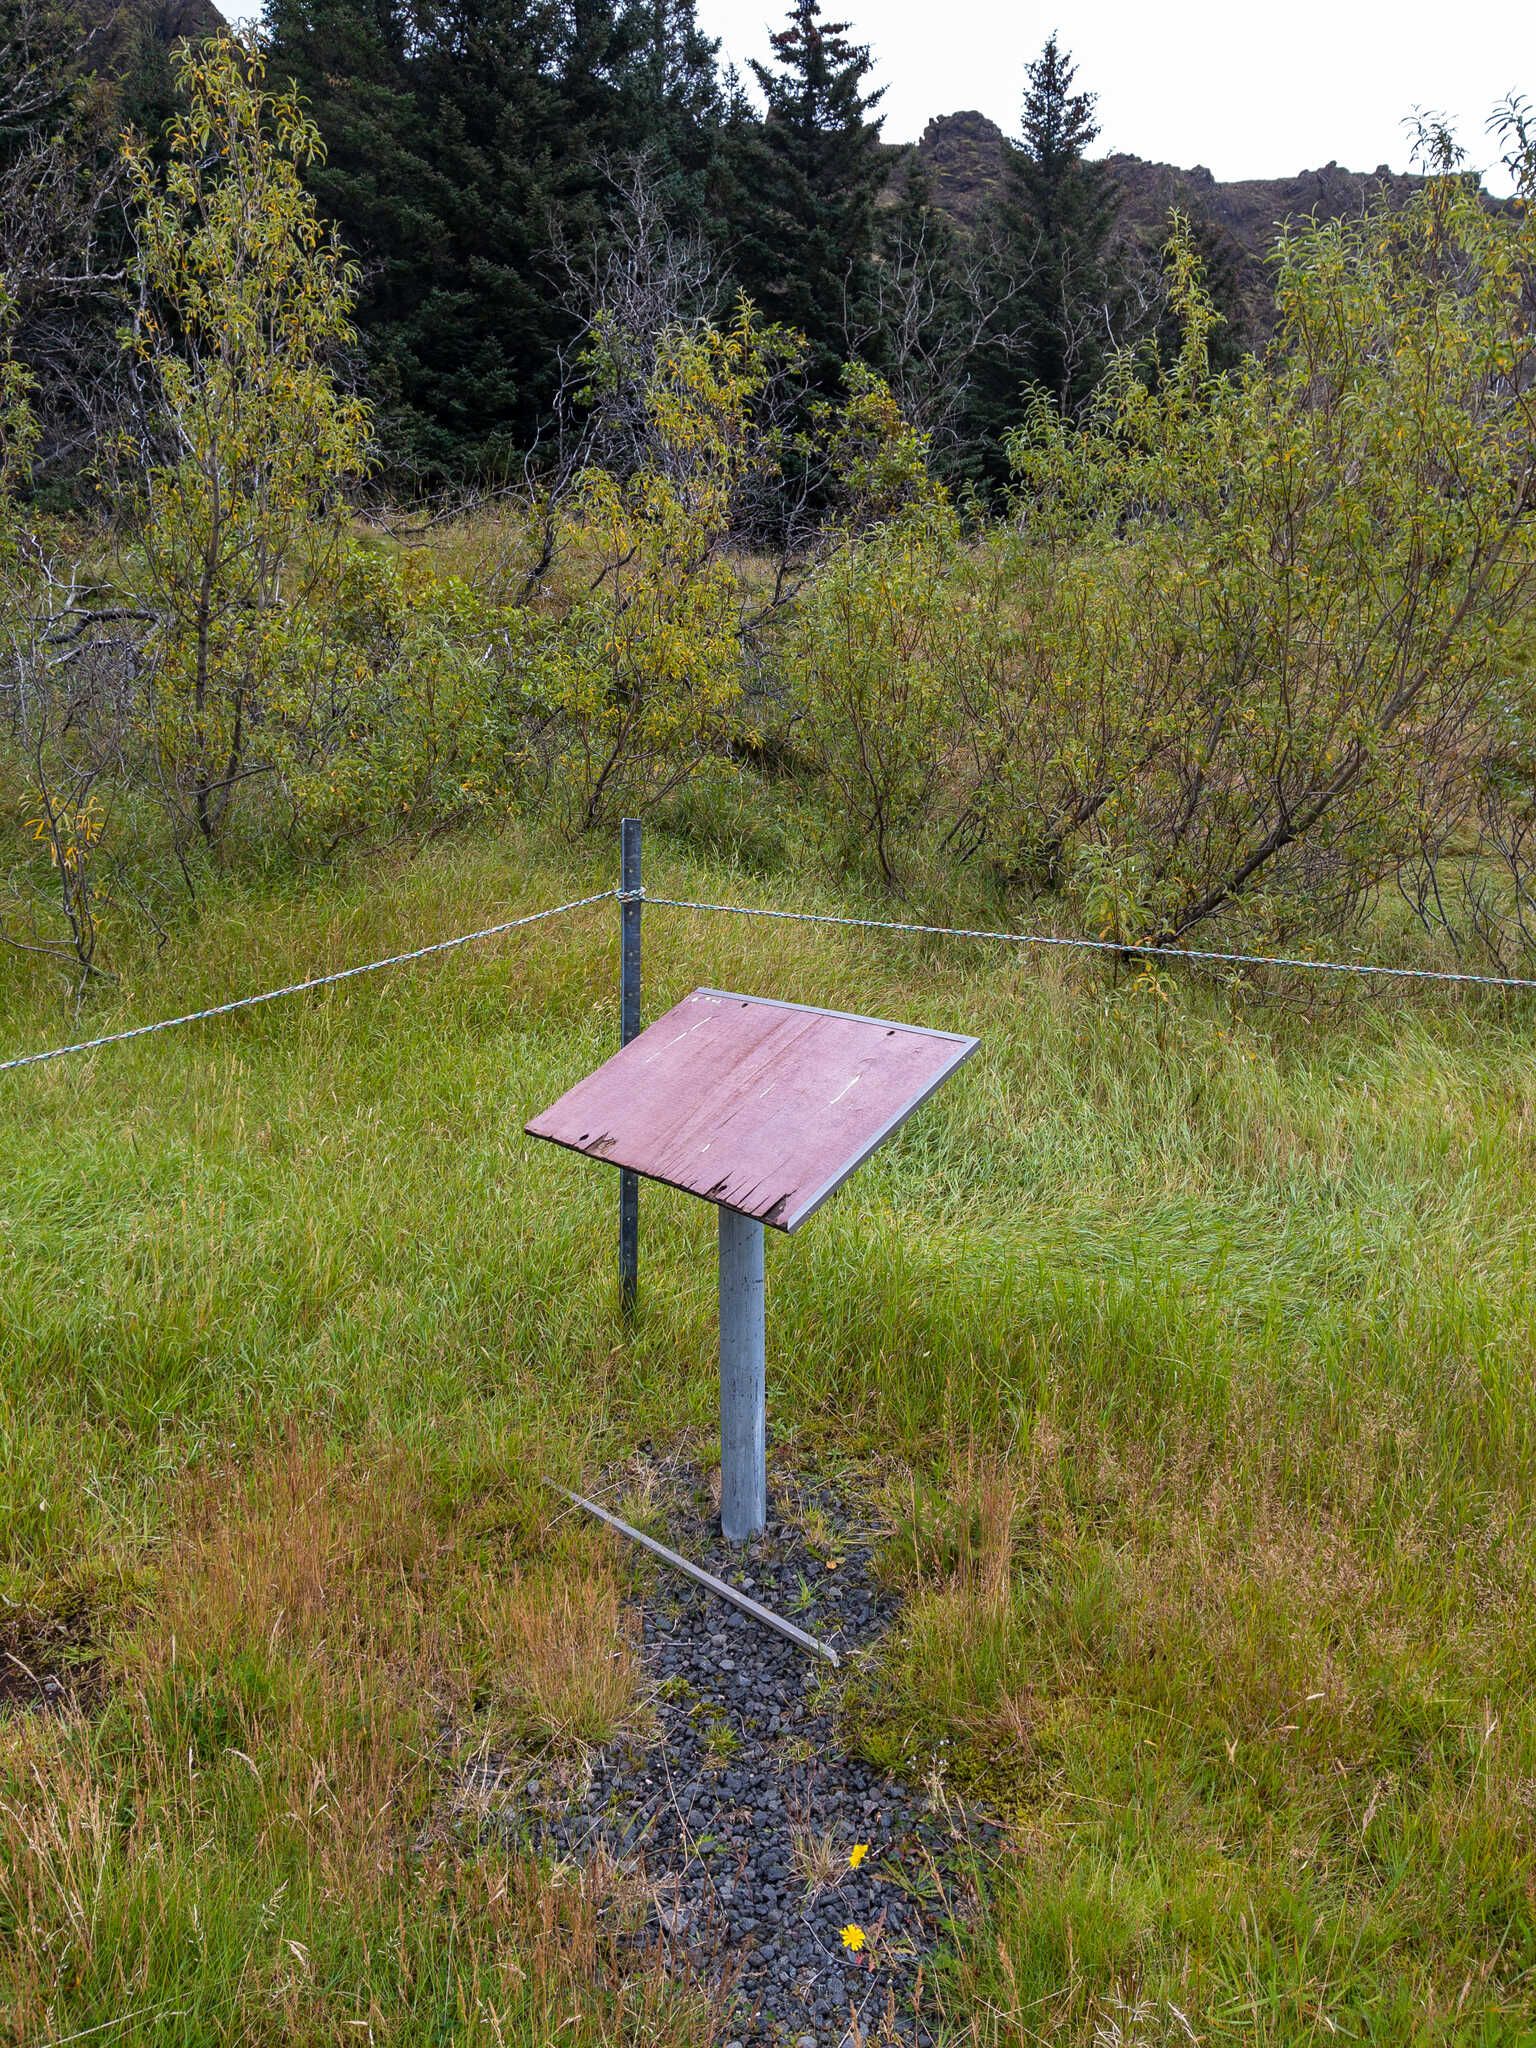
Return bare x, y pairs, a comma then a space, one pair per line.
759, 1840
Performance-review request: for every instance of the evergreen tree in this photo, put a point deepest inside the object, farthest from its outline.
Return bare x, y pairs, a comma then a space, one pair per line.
683, 109
1047, 240
596, 58
638, 81
349, 60
809, 176
445, 132
1063, 207
479, 336
465, 138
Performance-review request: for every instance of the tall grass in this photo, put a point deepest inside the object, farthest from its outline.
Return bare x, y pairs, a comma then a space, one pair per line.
1181, 1349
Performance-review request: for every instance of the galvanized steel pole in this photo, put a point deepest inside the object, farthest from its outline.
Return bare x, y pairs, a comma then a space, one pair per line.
743, 1388
629, 1027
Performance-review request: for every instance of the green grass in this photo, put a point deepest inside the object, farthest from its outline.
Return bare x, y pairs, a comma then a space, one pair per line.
1182, 1350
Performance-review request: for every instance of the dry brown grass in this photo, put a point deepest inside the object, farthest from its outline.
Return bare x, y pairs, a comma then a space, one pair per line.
314, 1627
563, 1665
345, 1566
820, 1858
965, 1533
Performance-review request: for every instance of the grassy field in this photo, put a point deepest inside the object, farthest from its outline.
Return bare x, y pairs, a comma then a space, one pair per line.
1182, 1351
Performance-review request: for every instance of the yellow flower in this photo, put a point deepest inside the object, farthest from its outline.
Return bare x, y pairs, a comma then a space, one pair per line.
857, 1854
853, 1938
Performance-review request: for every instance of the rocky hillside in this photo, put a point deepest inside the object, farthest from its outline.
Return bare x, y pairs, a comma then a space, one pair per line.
116, 29
963, 155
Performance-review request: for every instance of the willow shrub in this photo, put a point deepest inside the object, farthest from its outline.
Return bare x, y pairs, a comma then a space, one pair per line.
1253, 644
876, 662
637, 679
391, 711
1323, 561
247, 441
961, 692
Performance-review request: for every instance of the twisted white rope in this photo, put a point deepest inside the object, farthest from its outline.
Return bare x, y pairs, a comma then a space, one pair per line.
298, 988
874, 924
945, 931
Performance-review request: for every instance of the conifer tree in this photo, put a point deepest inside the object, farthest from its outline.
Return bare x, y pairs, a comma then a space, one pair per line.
1063, 206
465, 138
682, 108
440, 118
1047, 239
810, 176
638, 82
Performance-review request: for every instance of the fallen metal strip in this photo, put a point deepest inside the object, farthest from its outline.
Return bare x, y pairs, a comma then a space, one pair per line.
706, 1579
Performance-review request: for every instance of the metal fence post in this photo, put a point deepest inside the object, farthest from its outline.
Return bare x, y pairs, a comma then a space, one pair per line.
743, 1389
629, 1027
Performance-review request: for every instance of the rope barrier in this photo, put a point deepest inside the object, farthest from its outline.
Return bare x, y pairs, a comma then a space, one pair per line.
874, 924
942, 931
298, 988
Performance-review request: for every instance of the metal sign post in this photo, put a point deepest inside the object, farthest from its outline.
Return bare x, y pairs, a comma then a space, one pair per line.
630, 904
743, 1378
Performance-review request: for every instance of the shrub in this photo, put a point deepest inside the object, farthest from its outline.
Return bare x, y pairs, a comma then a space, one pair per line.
639, 680
1252, 645
391, 711
877, 662
247, 441
1311, 573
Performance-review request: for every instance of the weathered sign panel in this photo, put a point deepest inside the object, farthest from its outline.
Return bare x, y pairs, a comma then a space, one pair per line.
763, 1107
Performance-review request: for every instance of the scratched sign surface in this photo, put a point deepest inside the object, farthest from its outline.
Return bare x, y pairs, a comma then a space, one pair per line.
760, 1106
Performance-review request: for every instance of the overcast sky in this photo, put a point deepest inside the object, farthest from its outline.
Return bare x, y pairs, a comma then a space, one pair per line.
1249, 91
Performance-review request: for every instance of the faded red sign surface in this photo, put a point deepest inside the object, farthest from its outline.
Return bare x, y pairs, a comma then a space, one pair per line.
761, 1106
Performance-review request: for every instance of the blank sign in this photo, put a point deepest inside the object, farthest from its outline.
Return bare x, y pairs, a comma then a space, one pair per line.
763, 1107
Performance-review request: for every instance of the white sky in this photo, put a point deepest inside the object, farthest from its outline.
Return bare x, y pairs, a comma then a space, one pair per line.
1249, 91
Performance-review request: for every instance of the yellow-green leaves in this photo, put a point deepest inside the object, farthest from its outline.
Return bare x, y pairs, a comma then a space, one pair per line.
243, 300
1306, 570
876, 460
641, 677
877, 662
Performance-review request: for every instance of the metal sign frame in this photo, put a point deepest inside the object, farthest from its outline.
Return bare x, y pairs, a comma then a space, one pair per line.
742, 1265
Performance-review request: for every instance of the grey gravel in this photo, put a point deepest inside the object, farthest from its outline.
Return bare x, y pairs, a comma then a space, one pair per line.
745, 1783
